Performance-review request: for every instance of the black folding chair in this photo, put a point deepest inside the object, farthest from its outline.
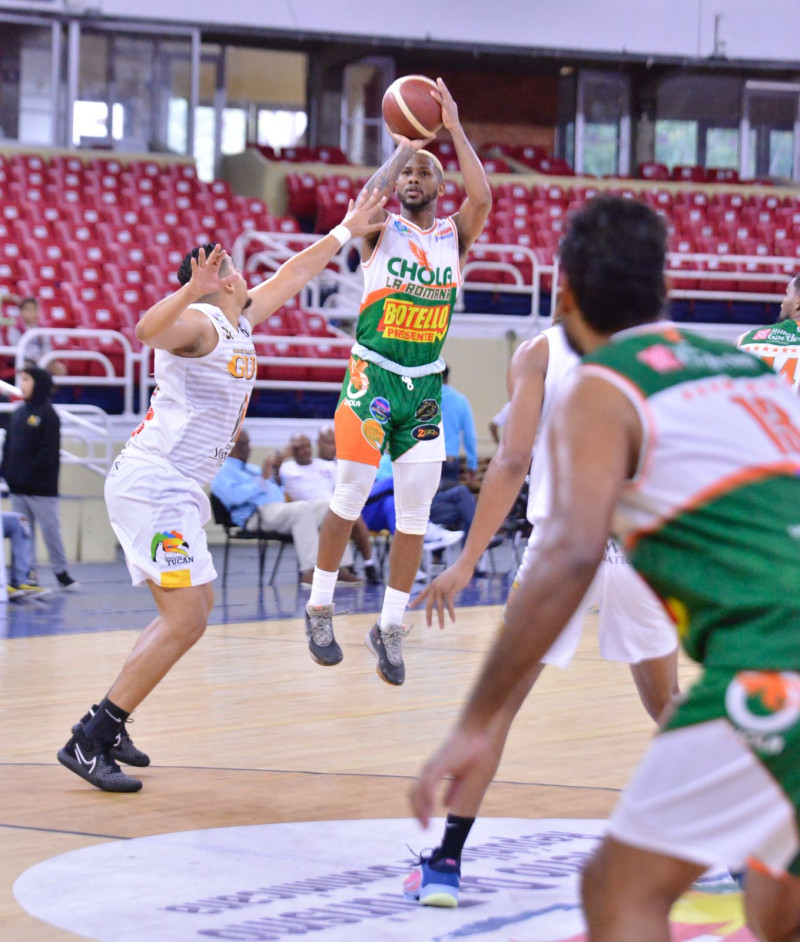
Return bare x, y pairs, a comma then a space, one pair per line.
235, 533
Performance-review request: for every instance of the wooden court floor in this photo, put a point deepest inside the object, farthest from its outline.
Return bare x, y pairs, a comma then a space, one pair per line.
248, 730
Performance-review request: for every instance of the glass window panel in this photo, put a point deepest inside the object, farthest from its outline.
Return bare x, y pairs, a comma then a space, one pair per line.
780, 153
722, 147
281, 128
234, 130
90, 122
177, 133
28, 101
600, 149
676, 142
204, 142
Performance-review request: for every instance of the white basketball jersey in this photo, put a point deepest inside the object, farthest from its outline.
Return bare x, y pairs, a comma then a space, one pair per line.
199, 403
561, 358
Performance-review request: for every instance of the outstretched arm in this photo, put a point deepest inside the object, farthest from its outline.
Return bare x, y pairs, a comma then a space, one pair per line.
298, 271
593, 445
503, 478
168, 325
471, 217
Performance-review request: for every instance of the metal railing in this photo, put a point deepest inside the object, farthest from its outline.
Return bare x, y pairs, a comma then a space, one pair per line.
336, 295
86, 423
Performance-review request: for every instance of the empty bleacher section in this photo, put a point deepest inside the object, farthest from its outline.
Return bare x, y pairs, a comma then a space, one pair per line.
98, 239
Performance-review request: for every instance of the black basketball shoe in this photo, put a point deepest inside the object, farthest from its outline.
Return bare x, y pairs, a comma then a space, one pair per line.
92, 760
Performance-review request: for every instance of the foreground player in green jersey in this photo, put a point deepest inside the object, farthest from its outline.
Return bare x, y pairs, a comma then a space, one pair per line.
689, 450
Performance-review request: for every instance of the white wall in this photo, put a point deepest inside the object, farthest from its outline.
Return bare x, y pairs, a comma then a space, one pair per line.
769, 29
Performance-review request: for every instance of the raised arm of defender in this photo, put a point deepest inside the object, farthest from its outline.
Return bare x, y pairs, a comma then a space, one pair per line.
364, 217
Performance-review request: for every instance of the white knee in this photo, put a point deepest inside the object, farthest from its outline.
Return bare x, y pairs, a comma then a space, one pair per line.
353, 484
415, 484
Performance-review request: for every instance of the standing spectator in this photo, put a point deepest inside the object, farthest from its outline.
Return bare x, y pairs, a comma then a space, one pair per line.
459, 428
31, 463
36, 347
498, 421
18, 531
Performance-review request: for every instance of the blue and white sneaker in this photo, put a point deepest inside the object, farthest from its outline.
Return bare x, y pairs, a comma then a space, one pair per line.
434, 884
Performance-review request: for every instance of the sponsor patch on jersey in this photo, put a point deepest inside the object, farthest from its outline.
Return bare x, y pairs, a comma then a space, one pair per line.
380, 409
426, 410
373, 432
418, 323
762, 334
358, 383
763, 704
170, 548
660, 358
425, 433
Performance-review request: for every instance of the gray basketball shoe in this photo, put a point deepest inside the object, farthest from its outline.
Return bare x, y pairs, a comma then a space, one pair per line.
319, 632
387, 646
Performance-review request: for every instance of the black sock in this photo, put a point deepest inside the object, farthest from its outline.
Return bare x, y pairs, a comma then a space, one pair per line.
456, 832
87, 716
107, 721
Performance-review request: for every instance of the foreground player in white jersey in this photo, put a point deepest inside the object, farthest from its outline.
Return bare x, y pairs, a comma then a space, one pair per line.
205, 367
633, 627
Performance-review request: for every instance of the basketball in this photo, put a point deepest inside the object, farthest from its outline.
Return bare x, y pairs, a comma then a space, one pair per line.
409, 109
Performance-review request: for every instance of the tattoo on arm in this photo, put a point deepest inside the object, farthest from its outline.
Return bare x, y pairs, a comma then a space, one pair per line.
386, 176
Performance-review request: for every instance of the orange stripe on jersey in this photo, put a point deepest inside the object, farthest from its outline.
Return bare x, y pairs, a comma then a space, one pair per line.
352, 443
717, 490
377, 295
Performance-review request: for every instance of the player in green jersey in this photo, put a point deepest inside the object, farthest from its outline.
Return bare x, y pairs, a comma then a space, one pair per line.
683, 447
778, 345
391, 396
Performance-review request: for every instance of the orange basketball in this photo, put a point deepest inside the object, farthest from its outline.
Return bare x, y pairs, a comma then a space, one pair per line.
409, 109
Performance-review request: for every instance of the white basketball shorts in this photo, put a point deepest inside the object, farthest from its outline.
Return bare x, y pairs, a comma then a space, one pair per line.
699, 794
632, 624
158, 515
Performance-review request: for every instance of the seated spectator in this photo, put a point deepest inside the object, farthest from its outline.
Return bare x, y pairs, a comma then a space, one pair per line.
253, 496
379, 513
37, 347
458, 426
305, 477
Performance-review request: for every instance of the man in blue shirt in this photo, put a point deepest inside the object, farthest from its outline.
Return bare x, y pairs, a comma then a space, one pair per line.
251, 495
458, 425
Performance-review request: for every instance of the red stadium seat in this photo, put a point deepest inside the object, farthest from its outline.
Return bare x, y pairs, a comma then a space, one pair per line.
653, 171
328, 373
287, 372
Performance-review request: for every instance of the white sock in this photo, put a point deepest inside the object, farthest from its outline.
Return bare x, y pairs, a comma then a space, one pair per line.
394, 607
322, 587
369, 562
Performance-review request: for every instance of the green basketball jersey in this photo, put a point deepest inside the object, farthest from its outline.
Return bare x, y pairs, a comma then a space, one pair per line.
712, 517
410, 285
778, 346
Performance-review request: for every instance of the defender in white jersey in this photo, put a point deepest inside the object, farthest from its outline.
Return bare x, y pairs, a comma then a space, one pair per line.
632, 626
205, 367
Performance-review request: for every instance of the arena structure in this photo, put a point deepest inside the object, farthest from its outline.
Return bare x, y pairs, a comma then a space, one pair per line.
127, 136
